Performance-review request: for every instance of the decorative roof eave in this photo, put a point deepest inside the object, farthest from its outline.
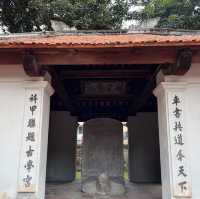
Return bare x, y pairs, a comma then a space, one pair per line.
95, 46
98, 41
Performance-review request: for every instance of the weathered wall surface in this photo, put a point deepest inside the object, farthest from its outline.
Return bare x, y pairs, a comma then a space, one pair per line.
13, 86
193, 126
187, 88
193, 136
11, 118
144, 156
61, 147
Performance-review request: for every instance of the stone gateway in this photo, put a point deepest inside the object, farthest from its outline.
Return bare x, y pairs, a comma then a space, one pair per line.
51, 82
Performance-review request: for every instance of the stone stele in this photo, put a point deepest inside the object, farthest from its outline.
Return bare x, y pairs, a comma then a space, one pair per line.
102, 163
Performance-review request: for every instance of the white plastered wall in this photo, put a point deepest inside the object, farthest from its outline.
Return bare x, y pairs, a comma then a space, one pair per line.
193, 126
11, 117
192, 119
12, 96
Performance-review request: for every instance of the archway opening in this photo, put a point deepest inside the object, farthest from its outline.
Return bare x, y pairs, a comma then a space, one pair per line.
119, 96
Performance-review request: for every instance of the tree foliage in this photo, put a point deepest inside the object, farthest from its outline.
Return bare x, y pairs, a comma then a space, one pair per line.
30, 15
182, 14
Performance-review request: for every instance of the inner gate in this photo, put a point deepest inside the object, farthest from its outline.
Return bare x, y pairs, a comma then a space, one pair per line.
103, 97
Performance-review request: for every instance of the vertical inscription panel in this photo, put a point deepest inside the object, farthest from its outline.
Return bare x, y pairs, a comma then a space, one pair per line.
179, 157
30, 138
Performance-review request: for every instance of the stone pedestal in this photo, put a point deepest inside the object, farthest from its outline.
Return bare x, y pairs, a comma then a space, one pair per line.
102, 166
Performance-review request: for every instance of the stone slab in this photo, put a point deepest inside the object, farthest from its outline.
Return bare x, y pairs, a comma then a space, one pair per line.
102, 156
144, 154
62, 147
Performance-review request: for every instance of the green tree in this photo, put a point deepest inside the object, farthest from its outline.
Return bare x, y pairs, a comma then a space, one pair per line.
182, 14
29, 15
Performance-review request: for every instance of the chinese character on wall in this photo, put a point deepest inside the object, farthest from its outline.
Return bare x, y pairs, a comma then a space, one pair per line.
29, 146
180, 175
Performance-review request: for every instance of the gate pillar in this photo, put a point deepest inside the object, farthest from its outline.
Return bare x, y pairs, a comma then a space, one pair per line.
173, 134
24, 118
34, 140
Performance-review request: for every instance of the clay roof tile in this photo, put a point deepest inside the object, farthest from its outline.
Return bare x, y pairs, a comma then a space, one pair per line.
98, 41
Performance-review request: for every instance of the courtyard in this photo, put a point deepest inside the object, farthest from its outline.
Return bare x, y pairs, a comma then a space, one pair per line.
73, 191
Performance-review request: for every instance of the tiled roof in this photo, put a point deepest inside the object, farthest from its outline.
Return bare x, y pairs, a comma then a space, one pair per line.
98, 41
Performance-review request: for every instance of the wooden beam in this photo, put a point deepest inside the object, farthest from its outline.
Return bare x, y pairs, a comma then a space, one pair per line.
154, 55
60, 90
11, 58
99, 57
103, 74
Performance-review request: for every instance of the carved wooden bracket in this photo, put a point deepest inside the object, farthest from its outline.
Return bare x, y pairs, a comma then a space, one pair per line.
182, 65
183, 61
31, 66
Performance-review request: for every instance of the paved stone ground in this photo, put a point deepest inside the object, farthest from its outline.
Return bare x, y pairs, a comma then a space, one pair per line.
72, 191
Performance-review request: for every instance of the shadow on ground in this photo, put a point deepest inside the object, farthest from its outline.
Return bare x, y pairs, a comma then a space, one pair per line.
73, 191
